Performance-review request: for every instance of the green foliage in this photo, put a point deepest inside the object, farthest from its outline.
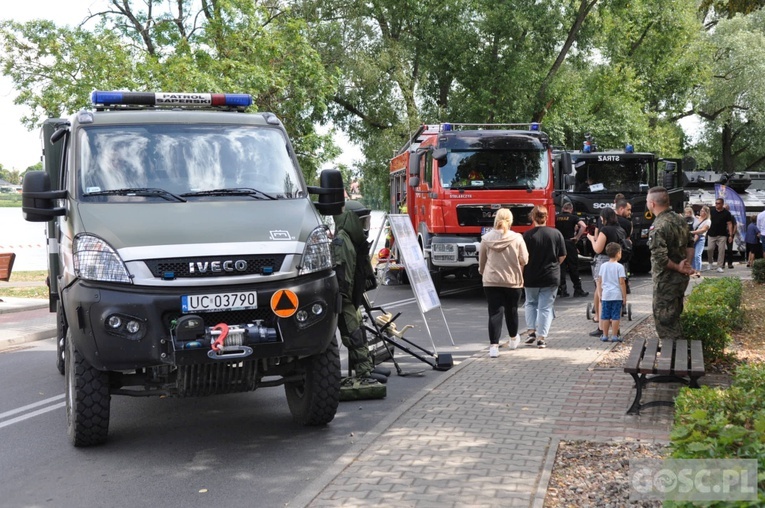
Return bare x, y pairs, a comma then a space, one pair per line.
758, 271
223, 45
717, 423
731, 99
710, 311
10, 199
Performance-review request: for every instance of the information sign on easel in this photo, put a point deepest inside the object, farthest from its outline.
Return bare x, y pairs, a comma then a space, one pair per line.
416, 267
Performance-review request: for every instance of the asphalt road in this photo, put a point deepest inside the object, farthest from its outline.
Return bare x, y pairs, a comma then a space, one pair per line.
232, 450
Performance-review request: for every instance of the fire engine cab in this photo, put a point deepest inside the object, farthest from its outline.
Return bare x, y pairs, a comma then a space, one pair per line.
451, 179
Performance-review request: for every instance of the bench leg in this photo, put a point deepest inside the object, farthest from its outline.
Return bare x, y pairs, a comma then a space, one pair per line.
635, 407
694, 383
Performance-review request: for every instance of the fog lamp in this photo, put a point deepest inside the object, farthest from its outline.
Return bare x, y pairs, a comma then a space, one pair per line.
114, 321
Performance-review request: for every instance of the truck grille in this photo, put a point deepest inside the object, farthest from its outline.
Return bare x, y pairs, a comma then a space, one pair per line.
180, 267
217, 378
483, 215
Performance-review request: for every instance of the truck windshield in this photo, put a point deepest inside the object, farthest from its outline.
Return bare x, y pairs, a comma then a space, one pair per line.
625, 176
185, 160
495, 169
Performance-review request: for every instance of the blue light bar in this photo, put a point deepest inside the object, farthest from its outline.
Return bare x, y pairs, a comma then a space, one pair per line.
534, 126
237, 100
629, 148
447, 127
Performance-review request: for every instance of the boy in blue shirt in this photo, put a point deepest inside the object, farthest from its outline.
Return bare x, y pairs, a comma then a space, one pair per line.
613, 293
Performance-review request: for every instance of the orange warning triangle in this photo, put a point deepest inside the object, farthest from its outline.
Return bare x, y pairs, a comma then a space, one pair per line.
284, 303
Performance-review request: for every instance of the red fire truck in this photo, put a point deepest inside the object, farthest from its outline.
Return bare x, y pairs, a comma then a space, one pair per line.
452, 178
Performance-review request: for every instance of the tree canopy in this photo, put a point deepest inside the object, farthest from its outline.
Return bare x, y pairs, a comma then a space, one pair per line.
623, 70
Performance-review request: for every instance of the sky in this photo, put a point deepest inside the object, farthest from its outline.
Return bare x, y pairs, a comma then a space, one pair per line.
21, 148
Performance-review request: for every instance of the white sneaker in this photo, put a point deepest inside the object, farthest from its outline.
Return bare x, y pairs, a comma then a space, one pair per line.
720, 270
515, 341
493, 351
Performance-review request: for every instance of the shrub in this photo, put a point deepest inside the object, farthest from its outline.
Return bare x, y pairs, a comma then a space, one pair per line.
710, 312
758, 271
715, 423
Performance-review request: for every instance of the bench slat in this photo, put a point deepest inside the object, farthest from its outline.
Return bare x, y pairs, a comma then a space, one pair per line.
664, 362
631, 365
697, 358
6, 265
649, 358
681, 358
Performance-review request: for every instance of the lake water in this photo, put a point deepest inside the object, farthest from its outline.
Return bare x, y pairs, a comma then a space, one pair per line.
27, 239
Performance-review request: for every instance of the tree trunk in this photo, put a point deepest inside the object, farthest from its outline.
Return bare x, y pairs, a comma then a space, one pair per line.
727, 148
541, 102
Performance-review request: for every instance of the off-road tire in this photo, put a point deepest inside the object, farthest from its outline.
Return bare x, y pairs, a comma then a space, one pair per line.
60, 338
87, 399
314, 400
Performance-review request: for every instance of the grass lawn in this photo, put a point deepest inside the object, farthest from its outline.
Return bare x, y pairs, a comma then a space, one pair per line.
10, 290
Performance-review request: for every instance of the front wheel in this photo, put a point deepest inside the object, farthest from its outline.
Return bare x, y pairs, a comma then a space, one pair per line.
88, 399
314, 399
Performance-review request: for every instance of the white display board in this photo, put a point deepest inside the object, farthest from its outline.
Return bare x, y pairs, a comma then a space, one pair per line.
416, 267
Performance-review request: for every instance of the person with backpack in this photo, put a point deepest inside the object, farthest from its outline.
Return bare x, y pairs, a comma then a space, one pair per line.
609, 232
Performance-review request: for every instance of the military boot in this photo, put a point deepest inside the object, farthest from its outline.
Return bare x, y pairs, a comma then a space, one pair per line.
563, 292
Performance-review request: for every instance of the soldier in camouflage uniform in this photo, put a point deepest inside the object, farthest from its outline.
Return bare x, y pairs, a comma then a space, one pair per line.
670, 270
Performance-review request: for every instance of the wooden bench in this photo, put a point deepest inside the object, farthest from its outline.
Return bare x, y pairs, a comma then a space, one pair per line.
669, 361
6, 265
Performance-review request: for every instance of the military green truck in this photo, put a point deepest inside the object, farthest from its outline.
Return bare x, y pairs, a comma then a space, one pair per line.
186, 257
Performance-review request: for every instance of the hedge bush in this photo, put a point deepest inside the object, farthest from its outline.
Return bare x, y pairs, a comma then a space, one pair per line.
710, 312
758, 270
716, 423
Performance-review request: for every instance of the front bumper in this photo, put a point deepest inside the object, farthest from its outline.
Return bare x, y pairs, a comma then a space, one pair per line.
90, 305
454, 251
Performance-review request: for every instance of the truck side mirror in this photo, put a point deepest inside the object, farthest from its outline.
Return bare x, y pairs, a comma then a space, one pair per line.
414, 181
439, 154
37, 198
330, 191
414, 164
564, 163
569, 180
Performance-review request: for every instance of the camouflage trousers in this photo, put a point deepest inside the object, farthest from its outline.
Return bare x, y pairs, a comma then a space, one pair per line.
354, 339
668, 293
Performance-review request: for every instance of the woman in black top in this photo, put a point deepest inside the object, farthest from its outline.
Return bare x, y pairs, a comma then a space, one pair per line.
607, 234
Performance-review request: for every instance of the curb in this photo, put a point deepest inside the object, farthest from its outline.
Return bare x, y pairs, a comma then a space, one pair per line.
10, 305
6, 344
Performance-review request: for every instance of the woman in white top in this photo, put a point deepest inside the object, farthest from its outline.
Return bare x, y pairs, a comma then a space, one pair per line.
700, 236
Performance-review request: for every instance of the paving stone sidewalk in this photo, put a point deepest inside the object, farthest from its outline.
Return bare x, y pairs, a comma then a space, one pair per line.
486, 435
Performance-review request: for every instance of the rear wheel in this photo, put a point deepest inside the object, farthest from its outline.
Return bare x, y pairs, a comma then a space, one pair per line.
60, 338
314, 400
88, 399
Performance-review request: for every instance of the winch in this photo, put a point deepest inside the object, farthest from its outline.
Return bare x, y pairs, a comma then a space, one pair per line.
225, 341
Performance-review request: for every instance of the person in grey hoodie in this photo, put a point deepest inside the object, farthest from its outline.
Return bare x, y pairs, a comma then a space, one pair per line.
501, 258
